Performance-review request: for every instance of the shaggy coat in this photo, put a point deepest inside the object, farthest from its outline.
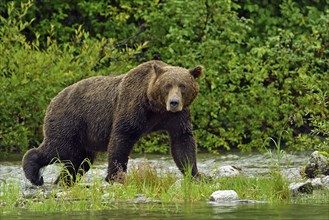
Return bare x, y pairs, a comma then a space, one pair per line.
105, 113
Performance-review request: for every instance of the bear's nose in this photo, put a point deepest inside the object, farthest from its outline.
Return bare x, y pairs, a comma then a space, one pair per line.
174, 103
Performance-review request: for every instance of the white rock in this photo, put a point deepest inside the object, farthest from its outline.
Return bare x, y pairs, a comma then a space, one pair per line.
317, 183
224, 195
226, 171
106, 196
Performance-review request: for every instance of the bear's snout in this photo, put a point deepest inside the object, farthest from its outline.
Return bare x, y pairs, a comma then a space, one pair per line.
174, 105
174, 101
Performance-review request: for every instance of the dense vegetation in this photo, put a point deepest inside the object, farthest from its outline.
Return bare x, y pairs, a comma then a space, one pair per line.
266, 64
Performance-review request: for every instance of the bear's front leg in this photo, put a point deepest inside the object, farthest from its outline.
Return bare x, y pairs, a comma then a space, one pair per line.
183, 150
119, 149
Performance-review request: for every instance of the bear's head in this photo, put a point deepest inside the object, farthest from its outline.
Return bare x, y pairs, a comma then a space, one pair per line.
173, 88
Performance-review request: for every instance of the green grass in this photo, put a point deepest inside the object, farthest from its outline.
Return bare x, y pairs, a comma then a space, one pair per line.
272, 188
159, 188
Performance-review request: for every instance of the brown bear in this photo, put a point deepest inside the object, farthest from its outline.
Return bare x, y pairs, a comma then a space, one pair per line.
105, 113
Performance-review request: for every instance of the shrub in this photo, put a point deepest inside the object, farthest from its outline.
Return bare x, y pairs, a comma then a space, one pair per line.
266, 65
30, 77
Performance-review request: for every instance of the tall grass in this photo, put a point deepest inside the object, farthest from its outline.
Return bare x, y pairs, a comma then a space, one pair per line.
279, 190
146, 181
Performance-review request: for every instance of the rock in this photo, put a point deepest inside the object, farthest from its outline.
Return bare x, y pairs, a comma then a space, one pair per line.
299, 188
292, 174
226, 171
325, 181
62, 194
224, 196
317, 164
141, 198
317, 183
106, 196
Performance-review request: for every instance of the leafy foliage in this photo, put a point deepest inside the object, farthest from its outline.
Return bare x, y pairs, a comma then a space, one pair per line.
30, 77
266, 64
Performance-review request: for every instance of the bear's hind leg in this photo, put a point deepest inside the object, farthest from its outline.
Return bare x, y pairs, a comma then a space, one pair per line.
33, 161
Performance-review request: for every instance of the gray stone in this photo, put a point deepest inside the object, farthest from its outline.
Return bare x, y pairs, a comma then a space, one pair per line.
318, 164
226, 171
292, 174
224, 195
106, 196
141, 198
300, 188
317, 183
325, 181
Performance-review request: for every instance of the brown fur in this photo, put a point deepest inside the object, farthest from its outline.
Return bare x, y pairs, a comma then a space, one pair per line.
110, 114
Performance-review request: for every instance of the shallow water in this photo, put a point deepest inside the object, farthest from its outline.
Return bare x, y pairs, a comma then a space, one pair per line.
200, 210
251, 164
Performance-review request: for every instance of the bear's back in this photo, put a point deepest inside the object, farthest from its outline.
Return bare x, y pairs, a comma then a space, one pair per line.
85, 94
87, 105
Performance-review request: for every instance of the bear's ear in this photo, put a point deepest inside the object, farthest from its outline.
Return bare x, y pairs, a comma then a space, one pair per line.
157, 69
196, 72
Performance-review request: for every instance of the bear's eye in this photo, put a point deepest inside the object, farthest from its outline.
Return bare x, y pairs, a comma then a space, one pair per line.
168, 87
182, 86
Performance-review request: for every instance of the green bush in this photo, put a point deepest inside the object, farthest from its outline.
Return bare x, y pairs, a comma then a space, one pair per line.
266, 64
256, 84
101, 19
30, 77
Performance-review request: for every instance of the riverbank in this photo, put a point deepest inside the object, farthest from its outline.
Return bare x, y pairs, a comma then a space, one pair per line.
156, 181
